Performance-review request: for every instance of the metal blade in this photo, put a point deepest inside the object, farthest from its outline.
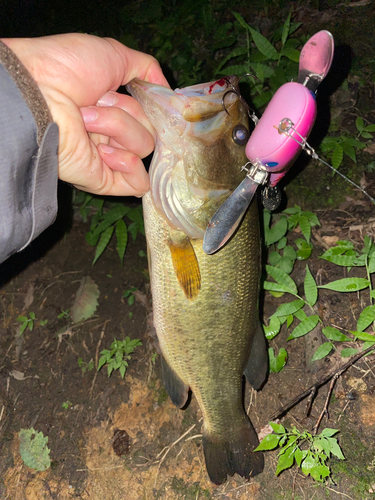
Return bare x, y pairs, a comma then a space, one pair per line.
228, 217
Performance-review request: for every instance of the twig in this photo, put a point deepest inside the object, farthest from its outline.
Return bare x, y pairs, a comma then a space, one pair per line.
169, 449
339, 493
97, 356
325, 408
319, 383
102, 468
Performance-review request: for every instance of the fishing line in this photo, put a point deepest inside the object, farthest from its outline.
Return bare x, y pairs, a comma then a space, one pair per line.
286, 125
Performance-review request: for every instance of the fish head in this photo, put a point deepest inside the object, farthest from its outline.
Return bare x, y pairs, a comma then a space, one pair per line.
202, 133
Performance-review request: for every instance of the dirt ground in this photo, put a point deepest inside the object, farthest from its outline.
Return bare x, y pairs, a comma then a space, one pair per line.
163, 458
159, 453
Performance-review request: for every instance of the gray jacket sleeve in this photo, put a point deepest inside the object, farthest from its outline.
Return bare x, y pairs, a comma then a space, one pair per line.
28, 157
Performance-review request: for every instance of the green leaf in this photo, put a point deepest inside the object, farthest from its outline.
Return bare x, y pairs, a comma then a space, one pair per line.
277, 363
309, 463
241, 20
349, 150
276, 232
327, 432
102, 361
347, 285
103, 242
122, 238
334, 334
282, 279
367, 337
301, 315
289, 308
286, 28
346, 353
286, 460
268, 443
34, 450
340, 260
304, 327
263, 45
23, 327
86, 300
304, 249
122, 370
335, 448
366, 317
359, 123
278, 428
322, 351
311, 290
370, 128
337, 156
272, 329
298, 455
304, 224
109, 218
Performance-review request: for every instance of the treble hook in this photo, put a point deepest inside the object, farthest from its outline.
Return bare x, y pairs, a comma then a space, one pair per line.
250, 111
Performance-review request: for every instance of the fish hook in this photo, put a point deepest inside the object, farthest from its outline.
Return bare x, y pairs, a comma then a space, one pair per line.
250, 111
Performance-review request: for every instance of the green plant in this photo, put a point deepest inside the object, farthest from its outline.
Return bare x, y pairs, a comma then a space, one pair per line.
128, 294
66, 405
86, 367
309, 452
342, 254
26, 322
106, 221
64, 314
34, 450
278, 362
272, 68
337, 146
117, 357
282, 255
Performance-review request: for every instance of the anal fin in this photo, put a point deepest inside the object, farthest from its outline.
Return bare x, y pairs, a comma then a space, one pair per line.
177, 389
256, 369
186, 266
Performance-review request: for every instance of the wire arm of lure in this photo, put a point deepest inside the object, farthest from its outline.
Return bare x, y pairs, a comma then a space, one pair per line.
286, 125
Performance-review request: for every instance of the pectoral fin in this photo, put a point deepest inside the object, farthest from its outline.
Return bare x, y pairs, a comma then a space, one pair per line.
257, 366
186, 266
177, 389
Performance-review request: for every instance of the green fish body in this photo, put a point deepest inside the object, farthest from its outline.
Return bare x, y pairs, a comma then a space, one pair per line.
205, 306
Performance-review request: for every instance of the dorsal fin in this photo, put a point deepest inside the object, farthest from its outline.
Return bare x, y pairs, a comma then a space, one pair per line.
186, 266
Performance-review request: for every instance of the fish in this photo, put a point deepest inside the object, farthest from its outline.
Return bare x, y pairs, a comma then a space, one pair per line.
205, 306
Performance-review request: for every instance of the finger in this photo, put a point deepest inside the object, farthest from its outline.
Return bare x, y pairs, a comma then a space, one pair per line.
121, 127
128, 104
129, 166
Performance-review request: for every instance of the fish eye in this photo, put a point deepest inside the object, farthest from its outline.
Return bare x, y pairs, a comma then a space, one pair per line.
240, 135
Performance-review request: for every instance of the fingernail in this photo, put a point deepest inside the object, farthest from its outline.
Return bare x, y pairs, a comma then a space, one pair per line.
108, 99
89, 114
106, 149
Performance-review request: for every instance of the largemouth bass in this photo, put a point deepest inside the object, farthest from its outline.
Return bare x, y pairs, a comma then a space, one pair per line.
205, 306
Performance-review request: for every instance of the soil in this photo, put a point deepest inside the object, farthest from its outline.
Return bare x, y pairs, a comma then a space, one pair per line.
114, 438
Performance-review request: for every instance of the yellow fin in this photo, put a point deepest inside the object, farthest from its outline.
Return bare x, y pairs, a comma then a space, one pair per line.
186, 266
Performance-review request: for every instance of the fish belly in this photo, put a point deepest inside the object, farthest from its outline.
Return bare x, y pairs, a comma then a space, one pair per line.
206, 341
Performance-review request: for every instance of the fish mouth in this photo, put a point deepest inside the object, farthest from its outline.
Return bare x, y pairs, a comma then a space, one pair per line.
193, 127
191, 104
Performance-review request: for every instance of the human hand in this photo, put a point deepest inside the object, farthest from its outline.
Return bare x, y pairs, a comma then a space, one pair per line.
78, 76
